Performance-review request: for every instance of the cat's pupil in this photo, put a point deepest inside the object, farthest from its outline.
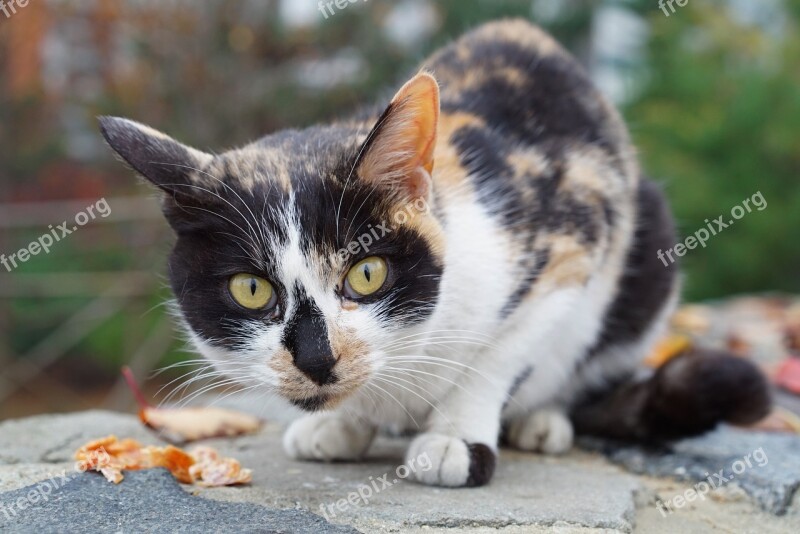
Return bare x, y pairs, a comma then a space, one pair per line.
366, 272
253, 287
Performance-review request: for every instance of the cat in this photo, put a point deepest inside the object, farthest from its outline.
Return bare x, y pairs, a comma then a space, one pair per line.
515, 297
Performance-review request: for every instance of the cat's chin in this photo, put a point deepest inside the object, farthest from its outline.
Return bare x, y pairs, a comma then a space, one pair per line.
318, 403
311, 404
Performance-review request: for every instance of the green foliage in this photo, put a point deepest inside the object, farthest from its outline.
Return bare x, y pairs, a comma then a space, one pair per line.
717, 122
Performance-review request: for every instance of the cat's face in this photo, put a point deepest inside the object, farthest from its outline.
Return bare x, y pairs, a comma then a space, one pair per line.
301, 258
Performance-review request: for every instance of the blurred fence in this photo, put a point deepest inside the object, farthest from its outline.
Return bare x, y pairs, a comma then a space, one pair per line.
37, 372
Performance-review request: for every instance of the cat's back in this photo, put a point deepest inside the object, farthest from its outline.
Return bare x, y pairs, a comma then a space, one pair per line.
514, 78
524, 132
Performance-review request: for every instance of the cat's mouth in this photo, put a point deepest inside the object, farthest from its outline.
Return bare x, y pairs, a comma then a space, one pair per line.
311, 404
313, 398
318, 401
311, 392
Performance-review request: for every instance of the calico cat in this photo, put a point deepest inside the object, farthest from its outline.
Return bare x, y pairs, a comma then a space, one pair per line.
478, 259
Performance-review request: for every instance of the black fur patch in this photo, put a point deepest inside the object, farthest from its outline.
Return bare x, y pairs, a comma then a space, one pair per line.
306, 338
161, 160
481, 464
211, 247
553, 99
484, 155
366, 213
691, 394
688, 396
646, 283
518, 381
533, 268
310, 404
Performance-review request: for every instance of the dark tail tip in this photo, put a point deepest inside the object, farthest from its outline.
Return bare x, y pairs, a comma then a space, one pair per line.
688, 396
694, 392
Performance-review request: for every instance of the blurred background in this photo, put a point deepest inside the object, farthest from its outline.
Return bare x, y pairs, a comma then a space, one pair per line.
710, 93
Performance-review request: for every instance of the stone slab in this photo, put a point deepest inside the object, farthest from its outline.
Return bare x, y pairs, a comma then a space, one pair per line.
581, 492
765, 465
146, 501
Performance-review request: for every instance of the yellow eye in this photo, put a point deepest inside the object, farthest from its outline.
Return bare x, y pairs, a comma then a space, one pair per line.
366, 277
251, 291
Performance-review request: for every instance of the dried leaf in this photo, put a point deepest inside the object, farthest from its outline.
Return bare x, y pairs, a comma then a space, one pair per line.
192, 424
110, 456
787, 375
210, 469
203, 466
779, 420
668, 348
182, 425
692, 319
177, 461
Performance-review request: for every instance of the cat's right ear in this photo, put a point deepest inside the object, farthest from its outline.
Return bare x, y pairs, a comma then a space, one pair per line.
164, 161
398, 152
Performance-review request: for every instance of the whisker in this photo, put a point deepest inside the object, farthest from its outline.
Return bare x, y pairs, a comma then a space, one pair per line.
434, 375
373, 384
232, 190
377, 377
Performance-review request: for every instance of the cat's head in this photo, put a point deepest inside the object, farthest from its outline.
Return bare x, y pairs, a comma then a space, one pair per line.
301, 257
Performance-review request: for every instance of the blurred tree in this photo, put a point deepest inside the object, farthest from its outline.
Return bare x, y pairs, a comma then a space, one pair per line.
717, 122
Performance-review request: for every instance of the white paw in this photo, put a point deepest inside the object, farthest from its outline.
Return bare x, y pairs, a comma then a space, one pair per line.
548, 431
450, 461
326, 437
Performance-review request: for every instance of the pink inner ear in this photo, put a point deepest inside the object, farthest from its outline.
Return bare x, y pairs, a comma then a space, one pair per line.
421, 102
401, 155
419, 182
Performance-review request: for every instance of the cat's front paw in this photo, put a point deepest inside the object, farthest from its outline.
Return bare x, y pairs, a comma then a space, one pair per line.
548, 431
450, 461
327, 437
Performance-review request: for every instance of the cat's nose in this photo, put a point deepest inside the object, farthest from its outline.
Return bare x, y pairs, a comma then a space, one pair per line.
318, 369
306, 338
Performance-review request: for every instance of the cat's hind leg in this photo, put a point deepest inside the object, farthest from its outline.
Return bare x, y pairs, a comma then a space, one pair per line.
547, 430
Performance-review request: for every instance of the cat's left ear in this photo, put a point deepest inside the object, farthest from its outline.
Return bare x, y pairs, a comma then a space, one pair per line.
398, 152
165, 162
169, 165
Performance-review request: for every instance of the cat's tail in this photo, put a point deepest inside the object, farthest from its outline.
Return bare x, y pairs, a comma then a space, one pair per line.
687, 396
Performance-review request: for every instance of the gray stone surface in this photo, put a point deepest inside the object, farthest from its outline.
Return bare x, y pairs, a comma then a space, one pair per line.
19, 475
147, 501
580, 492
54, 438
527, 490
769, 463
